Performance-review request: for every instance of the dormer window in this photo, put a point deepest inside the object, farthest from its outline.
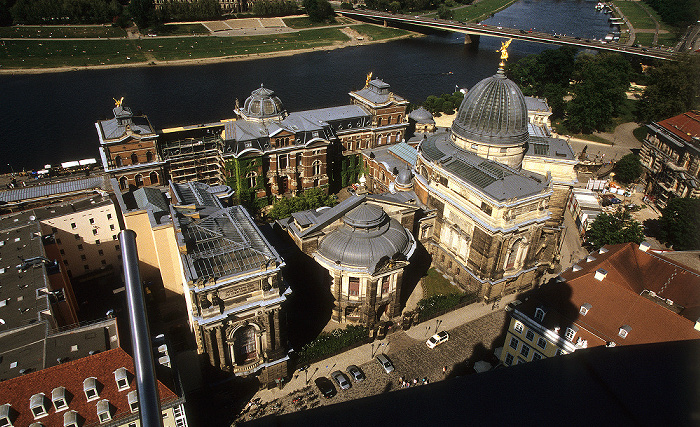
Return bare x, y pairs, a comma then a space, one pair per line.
103, 411
5, 415
570, 333
133, 399
58, 397
38, 405
121, 376
539, 314
90, 388
70, 419
584, 308
624, 330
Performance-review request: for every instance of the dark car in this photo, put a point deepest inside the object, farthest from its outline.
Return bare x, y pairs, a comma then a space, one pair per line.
326, 387
356, 373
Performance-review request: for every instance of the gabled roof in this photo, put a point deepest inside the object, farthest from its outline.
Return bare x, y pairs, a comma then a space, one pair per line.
685, 126
622, 298
18, 391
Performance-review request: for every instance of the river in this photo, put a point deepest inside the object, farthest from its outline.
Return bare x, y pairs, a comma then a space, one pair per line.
49, 118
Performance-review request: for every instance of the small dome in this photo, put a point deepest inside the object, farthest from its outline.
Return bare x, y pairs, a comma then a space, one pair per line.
493, 112
261, 104
405, 178
367, 237
421, 115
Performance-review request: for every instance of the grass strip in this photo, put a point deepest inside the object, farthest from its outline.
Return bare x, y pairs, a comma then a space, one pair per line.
479, 11
67, 53
61, 31
376, 32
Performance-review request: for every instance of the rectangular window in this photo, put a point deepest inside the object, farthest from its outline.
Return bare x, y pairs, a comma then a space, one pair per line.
354, 286
101, 252
518, 327
103, 262
94, 232
514, 343
63, 252
58, 241
114, 237
77, 236
111, 226
541, 343
92, 220
525, 350
109, 216
536, 356
385, 285
73, 225
116, 247
282, 161
97, 242
86, 267
509, 359
570, 334
80, 247
530, 335
83, 257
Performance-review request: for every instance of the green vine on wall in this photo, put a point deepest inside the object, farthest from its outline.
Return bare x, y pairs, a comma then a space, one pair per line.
245, 195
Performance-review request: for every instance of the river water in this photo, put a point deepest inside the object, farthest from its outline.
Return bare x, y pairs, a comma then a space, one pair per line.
49, 118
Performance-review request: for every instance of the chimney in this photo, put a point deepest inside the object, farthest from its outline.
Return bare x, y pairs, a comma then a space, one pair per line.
575, 268
600, 274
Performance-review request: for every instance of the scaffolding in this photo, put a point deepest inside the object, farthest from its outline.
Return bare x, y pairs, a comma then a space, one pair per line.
196, 159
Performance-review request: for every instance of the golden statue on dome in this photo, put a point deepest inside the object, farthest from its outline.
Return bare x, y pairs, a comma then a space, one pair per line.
504, 52
118, 102
369, 78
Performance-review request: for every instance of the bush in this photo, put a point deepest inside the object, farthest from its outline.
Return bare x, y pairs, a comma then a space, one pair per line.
438, 304
329, 344
310, 199
628, 169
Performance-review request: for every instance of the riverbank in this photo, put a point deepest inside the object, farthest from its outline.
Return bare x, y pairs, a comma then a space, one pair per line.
150, 52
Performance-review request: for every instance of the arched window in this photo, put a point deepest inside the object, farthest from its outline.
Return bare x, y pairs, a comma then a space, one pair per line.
316, 167
123, 183
134, 159
149, 157
379, 121
245, 350
118, 161
138, 180
513, 254
251, 177
153, 177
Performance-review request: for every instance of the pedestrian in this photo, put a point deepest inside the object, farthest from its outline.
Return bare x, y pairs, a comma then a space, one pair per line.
444, 370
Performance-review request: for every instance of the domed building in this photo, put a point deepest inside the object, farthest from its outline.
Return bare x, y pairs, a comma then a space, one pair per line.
493, 231
421, 120
262, 105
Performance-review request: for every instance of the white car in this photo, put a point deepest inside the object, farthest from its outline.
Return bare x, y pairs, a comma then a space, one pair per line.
437, 339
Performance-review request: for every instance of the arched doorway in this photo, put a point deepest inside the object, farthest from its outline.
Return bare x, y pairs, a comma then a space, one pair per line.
123, 183
153, 177
138, 180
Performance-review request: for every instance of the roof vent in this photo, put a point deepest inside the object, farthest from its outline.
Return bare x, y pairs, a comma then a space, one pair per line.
624, 330
575, 268
600, 274
590, 258
602, 250
644, 246
584, 308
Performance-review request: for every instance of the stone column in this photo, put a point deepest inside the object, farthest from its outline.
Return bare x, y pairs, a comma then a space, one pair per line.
220, 345
209, 347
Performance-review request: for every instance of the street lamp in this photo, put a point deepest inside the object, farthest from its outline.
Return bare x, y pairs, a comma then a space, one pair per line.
13, 169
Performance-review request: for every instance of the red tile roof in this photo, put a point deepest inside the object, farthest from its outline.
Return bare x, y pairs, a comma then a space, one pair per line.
619, 299
685, 126
18, 391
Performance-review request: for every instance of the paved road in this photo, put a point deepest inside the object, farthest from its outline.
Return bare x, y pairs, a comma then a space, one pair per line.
469, 342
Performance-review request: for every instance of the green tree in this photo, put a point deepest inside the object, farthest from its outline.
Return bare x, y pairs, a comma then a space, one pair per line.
678, 13
444, 12
628, 169
680, 223
610, 229
672, 88
142, 12
313, 198
319, 10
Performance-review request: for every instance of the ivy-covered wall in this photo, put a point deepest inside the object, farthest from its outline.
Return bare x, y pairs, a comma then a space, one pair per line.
253, 198
351, 169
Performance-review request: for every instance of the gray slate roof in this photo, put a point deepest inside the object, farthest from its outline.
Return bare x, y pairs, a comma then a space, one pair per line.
40, 191
554, 148
495, 179
377, 92
536, 104
421, 115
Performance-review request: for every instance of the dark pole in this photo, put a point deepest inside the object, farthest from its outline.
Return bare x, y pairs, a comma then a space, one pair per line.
149, 402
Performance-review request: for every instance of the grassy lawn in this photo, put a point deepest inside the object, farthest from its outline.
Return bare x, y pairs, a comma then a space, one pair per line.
206, 47
644, 39
182, 29
61, 53
480, 11
376, 32
62, 31
668, 39
435, 284
636, 14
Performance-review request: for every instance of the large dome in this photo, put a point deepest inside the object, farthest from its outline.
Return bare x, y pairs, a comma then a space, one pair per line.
262, 104
493, 113
367, 236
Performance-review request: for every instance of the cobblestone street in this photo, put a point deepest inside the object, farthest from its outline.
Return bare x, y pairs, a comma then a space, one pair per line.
412, 359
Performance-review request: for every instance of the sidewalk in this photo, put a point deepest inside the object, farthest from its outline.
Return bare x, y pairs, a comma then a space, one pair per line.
364, 353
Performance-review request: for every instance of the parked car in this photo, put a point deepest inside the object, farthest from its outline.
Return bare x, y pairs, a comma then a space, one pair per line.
341, 379
356, 373
385, 363
437, 339
326, 387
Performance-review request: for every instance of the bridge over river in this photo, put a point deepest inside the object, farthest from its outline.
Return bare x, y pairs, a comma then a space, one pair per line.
421, 24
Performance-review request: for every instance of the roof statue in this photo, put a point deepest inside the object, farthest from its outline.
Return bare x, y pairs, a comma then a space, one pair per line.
504, 51
118, 102
369, 78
